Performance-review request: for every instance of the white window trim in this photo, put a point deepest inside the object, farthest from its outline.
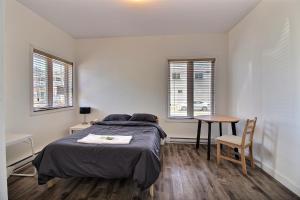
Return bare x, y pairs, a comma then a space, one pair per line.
172, 119
56, 110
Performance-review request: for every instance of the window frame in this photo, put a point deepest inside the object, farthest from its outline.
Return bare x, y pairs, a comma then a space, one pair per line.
213, 90
54, 109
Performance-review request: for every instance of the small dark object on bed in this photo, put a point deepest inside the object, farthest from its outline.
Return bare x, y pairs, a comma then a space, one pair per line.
144, 117
117, 117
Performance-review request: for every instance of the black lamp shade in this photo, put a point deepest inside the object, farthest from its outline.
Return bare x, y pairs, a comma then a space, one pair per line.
85, 110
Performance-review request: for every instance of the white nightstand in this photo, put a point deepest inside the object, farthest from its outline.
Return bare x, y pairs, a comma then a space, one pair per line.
78, 127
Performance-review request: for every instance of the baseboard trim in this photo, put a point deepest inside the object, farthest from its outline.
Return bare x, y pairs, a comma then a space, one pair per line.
182, 140
280, 178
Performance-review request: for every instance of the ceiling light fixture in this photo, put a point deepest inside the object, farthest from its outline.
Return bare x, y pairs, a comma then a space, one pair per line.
138, 1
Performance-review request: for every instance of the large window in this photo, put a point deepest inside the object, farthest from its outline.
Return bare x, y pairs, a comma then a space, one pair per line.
195, 81
52, 82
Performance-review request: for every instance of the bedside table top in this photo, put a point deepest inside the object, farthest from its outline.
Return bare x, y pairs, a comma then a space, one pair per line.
80, 126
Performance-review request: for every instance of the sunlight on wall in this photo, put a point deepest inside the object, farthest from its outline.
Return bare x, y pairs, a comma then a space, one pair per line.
276, 93
247, 88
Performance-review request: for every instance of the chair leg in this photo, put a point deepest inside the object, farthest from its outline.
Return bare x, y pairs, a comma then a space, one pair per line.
50, 183
228, 151
251, 156
243, 161
218, 152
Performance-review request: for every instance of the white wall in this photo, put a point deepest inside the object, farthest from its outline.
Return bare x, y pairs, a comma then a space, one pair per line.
3, 184
264, 63
23, 29
129, 74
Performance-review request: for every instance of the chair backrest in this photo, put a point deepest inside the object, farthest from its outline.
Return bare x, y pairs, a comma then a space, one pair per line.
249, 131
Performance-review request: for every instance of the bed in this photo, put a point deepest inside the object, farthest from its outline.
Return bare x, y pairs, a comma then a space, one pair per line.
138, 160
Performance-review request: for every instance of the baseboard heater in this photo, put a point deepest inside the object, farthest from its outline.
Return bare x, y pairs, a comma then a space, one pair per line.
182, 140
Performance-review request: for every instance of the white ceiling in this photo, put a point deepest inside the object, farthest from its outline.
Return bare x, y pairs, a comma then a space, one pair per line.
106, 18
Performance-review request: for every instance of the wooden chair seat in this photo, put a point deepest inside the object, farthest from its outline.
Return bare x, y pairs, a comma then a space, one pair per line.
232, 139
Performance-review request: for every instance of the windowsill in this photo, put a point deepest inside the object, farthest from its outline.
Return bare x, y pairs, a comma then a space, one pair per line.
177, 120
45, 112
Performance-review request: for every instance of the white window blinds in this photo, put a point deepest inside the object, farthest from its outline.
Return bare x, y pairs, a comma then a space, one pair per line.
191, 88
52, 82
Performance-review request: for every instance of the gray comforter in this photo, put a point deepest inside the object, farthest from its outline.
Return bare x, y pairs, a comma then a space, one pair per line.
138, 160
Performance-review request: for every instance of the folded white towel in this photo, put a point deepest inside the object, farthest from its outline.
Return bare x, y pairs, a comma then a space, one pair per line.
105, 139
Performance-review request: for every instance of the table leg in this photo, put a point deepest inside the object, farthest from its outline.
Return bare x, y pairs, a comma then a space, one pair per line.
220, 127
233, 128
234, 133
208, 141
198, 134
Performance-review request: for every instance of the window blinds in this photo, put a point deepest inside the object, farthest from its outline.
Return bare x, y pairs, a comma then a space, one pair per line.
52, 82
191, 88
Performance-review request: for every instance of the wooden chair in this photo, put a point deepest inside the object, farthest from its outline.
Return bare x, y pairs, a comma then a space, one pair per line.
239, 142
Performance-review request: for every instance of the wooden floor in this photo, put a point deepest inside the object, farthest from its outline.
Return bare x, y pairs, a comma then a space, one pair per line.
186, 175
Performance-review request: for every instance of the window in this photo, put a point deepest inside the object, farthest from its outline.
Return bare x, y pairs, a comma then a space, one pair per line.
52, 82
196, 84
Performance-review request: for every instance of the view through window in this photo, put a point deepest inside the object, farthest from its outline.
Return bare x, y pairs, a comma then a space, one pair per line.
52, 82
191, 88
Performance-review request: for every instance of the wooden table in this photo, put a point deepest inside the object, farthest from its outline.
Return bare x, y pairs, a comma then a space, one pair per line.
209, 119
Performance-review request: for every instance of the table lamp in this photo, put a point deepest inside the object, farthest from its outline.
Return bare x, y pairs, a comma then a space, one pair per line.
85, 111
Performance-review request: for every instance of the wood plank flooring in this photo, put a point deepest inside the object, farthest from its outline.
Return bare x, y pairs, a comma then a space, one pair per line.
185, 175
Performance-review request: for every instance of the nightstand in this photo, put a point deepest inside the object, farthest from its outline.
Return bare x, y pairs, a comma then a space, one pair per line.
78, 127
